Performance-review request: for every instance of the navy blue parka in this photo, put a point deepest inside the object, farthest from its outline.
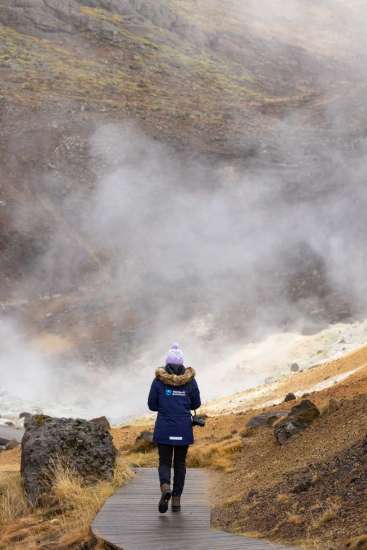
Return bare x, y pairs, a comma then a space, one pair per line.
174, 396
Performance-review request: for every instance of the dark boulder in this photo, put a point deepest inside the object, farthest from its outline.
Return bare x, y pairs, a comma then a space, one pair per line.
144, 442
102, 422
299, 418
85, 447
265, 419
290, 397
295, 367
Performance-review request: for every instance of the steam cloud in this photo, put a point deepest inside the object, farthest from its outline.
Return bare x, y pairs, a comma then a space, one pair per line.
212, 256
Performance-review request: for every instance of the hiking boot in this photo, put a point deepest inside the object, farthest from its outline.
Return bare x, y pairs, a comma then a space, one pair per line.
166, 495
176, 503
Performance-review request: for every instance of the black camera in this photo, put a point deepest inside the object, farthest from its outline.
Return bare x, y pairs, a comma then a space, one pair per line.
198, 420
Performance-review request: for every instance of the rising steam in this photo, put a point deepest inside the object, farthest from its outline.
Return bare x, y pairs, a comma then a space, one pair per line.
215, 255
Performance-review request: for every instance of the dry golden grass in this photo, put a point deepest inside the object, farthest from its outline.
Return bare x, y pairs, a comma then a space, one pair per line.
13, 503
65, 520
217, 455
327, 515
10, 461
235, 499
146, 459
283, 499
81, 503
295, 519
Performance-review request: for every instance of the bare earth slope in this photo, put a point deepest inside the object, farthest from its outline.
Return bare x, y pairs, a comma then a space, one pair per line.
311, 491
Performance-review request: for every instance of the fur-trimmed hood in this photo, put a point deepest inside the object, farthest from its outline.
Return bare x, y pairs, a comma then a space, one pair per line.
175, 379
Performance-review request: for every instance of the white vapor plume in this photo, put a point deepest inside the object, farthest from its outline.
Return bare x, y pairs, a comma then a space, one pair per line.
221, 256
203, 255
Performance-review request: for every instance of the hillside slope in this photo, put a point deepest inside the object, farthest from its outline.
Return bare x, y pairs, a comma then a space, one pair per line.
221, 80
194, 74
311, 491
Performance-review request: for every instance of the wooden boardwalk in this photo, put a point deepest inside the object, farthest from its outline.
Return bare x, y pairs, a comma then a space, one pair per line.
130, 519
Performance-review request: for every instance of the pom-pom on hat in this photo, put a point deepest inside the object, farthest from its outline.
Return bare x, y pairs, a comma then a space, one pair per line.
175, 356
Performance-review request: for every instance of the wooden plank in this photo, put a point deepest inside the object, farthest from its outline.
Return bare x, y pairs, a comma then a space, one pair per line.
130, 519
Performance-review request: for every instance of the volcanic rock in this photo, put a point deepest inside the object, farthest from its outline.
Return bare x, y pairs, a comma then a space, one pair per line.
102, 422
289, 397
85, 447
265, 419
299, 418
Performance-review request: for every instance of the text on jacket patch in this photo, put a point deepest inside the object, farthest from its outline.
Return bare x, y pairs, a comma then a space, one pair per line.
176, 393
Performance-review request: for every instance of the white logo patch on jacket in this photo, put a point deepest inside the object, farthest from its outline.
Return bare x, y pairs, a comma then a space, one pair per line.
179, 393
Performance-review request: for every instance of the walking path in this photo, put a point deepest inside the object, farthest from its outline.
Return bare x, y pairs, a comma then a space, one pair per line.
130, 519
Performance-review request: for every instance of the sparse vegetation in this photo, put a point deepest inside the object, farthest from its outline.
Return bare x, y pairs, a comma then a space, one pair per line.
327, 515
120, 65
13, 503
309, 492
295, 519
217, 455
283, 499
65, 520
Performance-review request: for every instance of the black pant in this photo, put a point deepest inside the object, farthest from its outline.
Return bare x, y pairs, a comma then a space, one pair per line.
178, 452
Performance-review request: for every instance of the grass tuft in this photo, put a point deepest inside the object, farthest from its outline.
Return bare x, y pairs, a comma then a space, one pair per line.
327, 515
13, 503
218, 455
64, 519
282, 499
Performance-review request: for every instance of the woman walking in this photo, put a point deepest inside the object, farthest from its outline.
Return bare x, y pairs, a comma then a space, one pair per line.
174, 394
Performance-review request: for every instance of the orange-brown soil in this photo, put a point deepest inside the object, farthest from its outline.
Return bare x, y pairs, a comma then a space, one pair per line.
310, 491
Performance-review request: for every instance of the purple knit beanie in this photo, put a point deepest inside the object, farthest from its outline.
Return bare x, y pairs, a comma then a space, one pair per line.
175, 356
